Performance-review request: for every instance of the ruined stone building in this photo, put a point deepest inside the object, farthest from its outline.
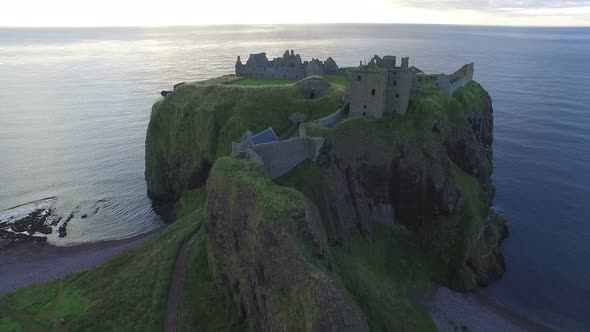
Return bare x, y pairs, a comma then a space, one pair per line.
275, 156
290, 66
381, 87
450, 83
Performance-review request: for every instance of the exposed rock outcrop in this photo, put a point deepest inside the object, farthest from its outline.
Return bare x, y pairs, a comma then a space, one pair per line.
264, 240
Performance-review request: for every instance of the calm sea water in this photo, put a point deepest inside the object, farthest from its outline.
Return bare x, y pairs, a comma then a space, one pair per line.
75, 104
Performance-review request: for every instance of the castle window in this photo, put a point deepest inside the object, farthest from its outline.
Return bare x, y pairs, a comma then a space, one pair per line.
394, 83
364, 113
358, 78
373, 92
397, 95
365, 106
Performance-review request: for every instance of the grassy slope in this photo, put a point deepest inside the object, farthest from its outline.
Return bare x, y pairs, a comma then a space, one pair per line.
204, 307
339, 79
378, 274
381, 273
127, 292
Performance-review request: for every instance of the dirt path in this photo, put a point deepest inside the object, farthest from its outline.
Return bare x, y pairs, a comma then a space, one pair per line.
57, 325
176, 283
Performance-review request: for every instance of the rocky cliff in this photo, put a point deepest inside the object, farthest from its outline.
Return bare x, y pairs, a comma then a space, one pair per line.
389, 206
271, 251
429, 171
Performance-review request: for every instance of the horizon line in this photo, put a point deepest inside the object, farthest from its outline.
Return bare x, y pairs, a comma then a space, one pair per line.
294, 23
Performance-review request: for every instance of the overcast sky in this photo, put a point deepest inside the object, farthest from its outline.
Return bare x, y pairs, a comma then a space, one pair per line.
58, 13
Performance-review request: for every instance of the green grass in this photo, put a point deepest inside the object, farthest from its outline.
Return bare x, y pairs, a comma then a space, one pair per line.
205, 307
380, 273
9, 324
273, 200
256, 81
472, 96
126, 292
340, 79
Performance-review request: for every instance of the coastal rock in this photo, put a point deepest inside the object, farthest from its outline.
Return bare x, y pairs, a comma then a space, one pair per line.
485, 262
258, 249
62, 230
164, 93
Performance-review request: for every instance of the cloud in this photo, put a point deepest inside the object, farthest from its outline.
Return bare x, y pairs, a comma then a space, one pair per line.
497, 5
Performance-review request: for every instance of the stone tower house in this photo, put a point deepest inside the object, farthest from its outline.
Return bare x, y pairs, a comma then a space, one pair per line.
380, 87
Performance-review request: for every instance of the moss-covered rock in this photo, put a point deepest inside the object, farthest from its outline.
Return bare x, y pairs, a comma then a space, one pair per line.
270, 249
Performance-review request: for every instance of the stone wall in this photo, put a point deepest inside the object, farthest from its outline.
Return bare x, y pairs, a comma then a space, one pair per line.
278, 158
380, 87
368, 93
450, 83
399, 89
332, 119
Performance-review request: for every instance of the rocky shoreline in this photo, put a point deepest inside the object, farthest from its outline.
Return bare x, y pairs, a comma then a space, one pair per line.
37, 222
24, 230
476, 311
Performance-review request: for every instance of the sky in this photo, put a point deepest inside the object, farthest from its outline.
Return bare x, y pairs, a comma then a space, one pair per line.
87, 13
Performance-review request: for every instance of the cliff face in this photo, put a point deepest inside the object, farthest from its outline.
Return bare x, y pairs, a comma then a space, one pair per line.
269, 248
429, 171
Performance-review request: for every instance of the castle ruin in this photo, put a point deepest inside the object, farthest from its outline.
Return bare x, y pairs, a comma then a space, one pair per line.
290, 66
377, 88
275, 156
450, 83
380, 87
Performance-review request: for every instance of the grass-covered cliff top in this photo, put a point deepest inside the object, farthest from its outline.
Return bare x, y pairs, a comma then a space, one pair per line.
210, 115
339, 79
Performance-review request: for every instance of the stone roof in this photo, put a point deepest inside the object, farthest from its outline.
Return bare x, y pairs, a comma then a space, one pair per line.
260, 58
265, 136
416, 70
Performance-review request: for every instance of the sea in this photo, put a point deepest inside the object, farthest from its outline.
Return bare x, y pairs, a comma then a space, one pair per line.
75, 105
